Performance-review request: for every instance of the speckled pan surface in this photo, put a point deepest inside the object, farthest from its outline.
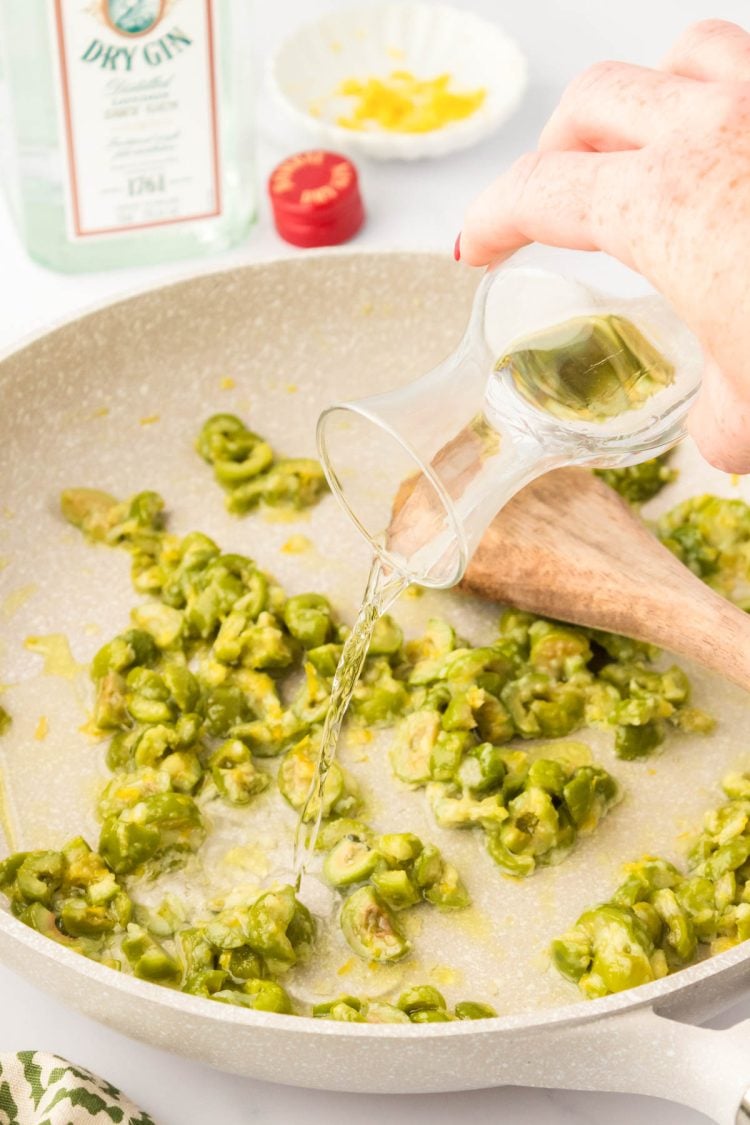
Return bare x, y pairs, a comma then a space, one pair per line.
114, 401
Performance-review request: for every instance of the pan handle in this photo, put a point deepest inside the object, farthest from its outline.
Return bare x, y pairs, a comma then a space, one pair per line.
643, 1052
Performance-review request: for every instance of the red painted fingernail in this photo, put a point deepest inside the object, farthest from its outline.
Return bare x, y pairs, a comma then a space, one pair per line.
457, 248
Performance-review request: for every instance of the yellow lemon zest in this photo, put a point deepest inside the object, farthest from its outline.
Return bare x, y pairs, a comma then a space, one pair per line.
296, 545
402, 103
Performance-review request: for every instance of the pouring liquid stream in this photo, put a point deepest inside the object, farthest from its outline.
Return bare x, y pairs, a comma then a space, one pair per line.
382, 589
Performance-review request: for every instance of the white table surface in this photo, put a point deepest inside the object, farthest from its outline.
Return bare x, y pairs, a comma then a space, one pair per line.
410, 206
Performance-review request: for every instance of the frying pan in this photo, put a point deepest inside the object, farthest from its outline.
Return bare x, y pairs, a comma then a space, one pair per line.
113, 400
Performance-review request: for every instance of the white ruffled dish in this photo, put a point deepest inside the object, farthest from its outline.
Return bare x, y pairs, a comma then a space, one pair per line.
427, 39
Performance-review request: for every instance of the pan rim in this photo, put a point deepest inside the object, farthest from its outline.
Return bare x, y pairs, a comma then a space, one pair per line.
577, 1012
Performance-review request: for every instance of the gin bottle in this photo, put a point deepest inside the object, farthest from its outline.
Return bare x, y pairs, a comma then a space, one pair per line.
128, 128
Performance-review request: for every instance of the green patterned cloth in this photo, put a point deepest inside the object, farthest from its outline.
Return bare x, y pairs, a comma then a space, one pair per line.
41, 1089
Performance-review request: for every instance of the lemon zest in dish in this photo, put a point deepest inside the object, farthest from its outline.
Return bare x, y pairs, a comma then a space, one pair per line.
403, 103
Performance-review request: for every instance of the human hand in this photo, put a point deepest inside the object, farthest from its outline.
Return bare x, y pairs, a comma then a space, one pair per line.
653, 167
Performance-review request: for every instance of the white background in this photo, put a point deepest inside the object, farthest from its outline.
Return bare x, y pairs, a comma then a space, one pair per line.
419, 207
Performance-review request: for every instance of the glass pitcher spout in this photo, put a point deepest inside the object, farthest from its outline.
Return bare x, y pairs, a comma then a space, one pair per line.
549, 373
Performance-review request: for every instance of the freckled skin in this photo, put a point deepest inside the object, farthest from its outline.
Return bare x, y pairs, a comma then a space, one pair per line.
653, 167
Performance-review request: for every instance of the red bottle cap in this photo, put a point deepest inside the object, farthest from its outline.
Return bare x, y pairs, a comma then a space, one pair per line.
315, 199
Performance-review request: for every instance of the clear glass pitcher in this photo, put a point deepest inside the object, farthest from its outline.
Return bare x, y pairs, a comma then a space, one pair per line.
550, 372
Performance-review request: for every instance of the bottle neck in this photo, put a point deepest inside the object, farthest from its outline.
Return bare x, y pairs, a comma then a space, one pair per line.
505, 466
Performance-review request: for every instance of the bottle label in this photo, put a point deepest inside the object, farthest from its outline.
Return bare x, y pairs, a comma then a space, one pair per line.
139, 113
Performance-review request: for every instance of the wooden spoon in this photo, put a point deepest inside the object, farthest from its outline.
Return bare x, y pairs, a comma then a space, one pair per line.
568, 547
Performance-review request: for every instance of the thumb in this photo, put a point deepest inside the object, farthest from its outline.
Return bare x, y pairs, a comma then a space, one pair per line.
720, 421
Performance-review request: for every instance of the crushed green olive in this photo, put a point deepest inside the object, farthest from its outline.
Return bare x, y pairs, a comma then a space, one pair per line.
661, 919
472, 1010
156, 828
379, 696
81, 902
350, 1009
421, 998
293, 482
243, 945
402, 870
540, 680
350, 861
345, 1009
387, 637
235, 774
420, 1004
245, 466
397, 889
149, 959
260, 995
532, 811
711, 535
639, 483
295, 778
308, 619
333, 831
370, 928
280, 929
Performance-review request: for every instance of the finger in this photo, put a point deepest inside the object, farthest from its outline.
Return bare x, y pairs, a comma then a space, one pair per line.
711, 51
614, 106
572, 199
720, 422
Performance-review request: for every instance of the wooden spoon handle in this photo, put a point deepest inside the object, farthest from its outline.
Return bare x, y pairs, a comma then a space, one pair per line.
708, 629
568, 547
